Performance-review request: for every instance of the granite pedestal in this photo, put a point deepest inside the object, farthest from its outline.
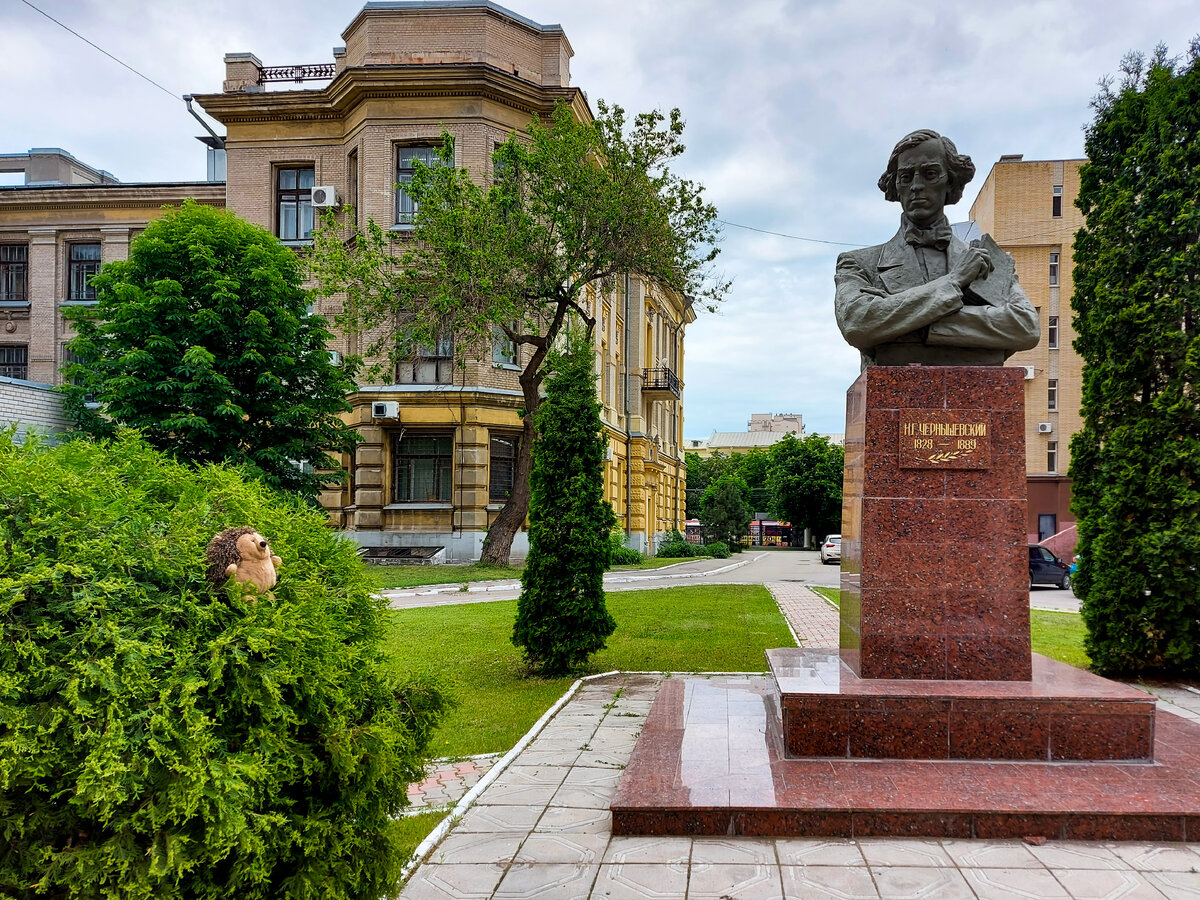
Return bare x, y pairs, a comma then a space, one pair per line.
934, 718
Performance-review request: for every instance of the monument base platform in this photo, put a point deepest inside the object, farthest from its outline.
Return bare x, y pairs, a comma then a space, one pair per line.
710, 761
1063, 713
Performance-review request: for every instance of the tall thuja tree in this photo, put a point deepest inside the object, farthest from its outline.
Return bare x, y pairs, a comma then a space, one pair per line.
1136, 462
561, 616
203, 341
574, 205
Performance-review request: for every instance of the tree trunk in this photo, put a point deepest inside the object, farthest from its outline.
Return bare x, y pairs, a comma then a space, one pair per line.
497, 545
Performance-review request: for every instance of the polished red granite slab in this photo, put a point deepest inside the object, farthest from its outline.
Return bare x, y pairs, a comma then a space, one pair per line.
1061, 713
934, 567
710, 762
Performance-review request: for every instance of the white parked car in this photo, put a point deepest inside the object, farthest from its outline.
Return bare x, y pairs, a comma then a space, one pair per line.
831, 549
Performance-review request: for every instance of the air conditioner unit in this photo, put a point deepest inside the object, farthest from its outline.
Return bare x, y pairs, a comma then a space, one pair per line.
1045, 427
385, 409
1028, 372
324, 196
335, 358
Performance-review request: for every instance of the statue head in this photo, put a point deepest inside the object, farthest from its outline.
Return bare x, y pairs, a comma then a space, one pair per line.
925, 173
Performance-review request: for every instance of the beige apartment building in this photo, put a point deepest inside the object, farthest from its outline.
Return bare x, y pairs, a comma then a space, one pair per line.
1029, 208
440, 436
56, 229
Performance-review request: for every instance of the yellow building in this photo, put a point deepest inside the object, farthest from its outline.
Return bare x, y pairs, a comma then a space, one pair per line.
439, 437
1029, 208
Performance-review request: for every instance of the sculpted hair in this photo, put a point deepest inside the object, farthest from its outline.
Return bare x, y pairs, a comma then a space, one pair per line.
958, 165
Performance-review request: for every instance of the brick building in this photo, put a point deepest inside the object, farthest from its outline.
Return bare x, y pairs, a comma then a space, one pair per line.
439, 438
1029, 208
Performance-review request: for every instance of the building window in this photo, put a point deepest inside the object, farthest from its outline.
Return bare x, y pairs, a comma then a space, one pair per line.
84, 262
430, 365
352, 186
1052, 456
1052, 333
293, 202
14, 361
14, 262
1052, 395
503, 466
1056, 202
421, 464
504, 351
406, 159
1054, 267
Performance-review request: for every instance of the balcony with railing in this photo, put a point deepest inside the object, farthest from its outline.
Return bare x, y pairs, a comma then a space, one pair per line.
661, 384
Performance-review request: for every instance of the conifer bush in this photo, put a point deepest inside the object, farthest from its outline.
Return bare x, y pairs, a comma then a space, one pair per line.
164, 738
561, 616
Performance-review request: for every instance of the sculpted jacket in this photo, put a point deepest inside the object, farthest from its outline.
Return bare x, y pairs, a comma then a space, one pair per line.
887, 310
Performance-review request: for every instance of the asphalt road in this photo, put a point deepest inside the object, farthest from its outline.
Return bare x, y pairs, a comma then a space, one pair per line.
753, 566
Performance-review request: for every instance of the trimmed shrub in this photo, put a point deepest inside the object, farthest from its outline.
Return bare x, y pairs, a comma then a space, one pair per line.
622, 555
163, 738
561, 616
717, 550
675, 547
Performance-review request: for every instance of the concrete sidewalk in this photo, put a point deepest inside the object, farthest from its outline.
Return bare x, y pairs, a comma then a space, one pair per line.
540, 827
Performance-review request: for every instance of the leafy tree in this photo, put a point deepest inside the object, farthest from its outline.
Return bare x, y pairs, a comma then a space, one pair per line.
166, 738
754, 468
202, 340
725, 512
561, 617
1135, 464
701, 472
806, 484
574, 205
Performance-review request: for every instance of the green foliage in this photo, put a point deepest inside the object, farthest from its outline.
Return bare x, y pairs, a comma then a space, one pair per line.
202, 340
561, 617
1135, 464
701, 472
574, 205
675, 546
163, 738
806, 484
724, 511
717, 550
622, 555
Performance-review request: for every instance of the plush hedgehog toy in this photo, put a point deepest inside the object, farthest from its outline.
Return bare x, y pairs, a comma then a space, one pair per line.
244, 554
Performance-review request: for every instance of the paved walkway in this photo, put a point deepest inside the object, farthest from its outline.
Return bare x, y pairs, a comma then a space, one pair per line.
539, 826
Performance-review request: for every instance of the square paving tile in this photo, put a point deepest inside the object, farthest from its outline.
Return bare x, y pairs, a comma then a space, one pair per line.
499, 819
1159, 857
1077, 855
1176, 885
818, 852
720, 882
476, 847
573, 819
452, 882
828, 883
514, 794
1003, 884
1106, 884
991, 854
673, 851
560, 847
551, 881
895, 852
627, 881
909, 883
741, 851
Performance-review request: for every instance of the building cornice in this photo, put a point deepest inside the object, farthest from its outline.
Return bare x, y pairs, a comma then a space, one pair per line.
109, 196
359, 84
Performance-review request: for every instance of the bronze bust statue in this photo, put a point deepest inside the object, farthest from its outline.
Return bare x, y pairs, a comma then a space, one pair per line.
926, 296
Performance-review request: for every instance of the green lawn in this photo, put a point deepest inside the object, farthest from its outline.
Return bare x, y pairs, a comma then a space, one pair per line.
685, 629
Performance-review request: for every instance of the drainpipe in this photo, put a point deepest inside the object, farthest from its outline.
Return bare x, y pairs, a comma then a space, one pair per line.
628, 451
220, 141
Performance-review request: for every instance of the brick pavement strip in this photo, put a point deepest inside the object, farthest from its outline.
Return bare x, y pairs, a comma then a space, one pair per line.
812, 619
560, 845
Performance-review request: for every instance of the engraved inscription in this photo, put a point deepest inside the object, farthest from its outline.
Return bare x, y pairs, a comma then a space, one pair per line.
944, 439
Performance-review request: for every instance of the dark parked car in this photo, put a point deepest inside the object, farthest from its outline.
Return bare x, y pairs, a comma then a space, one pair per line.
1046, 568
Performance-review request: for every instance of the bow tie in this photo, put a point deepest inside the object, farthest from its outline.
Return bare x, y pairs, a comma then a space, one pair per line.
937, 237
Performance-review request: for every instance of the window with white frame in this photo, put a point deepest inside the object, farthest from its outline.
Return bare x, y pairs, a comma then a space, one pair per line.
1052, 456
504, 351
429, 365
406, 160
502, 466
1052, 333
1052, 395
1056, 202
1053, 267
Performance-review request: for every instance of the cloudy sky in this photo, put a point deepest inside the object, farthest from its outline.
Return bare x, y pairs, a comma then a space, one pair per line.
792, 108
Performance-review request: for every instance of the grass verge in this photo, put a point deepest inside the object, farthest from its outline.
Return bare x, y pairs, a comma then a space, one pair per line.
686, 629
384, 577
1059, 635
